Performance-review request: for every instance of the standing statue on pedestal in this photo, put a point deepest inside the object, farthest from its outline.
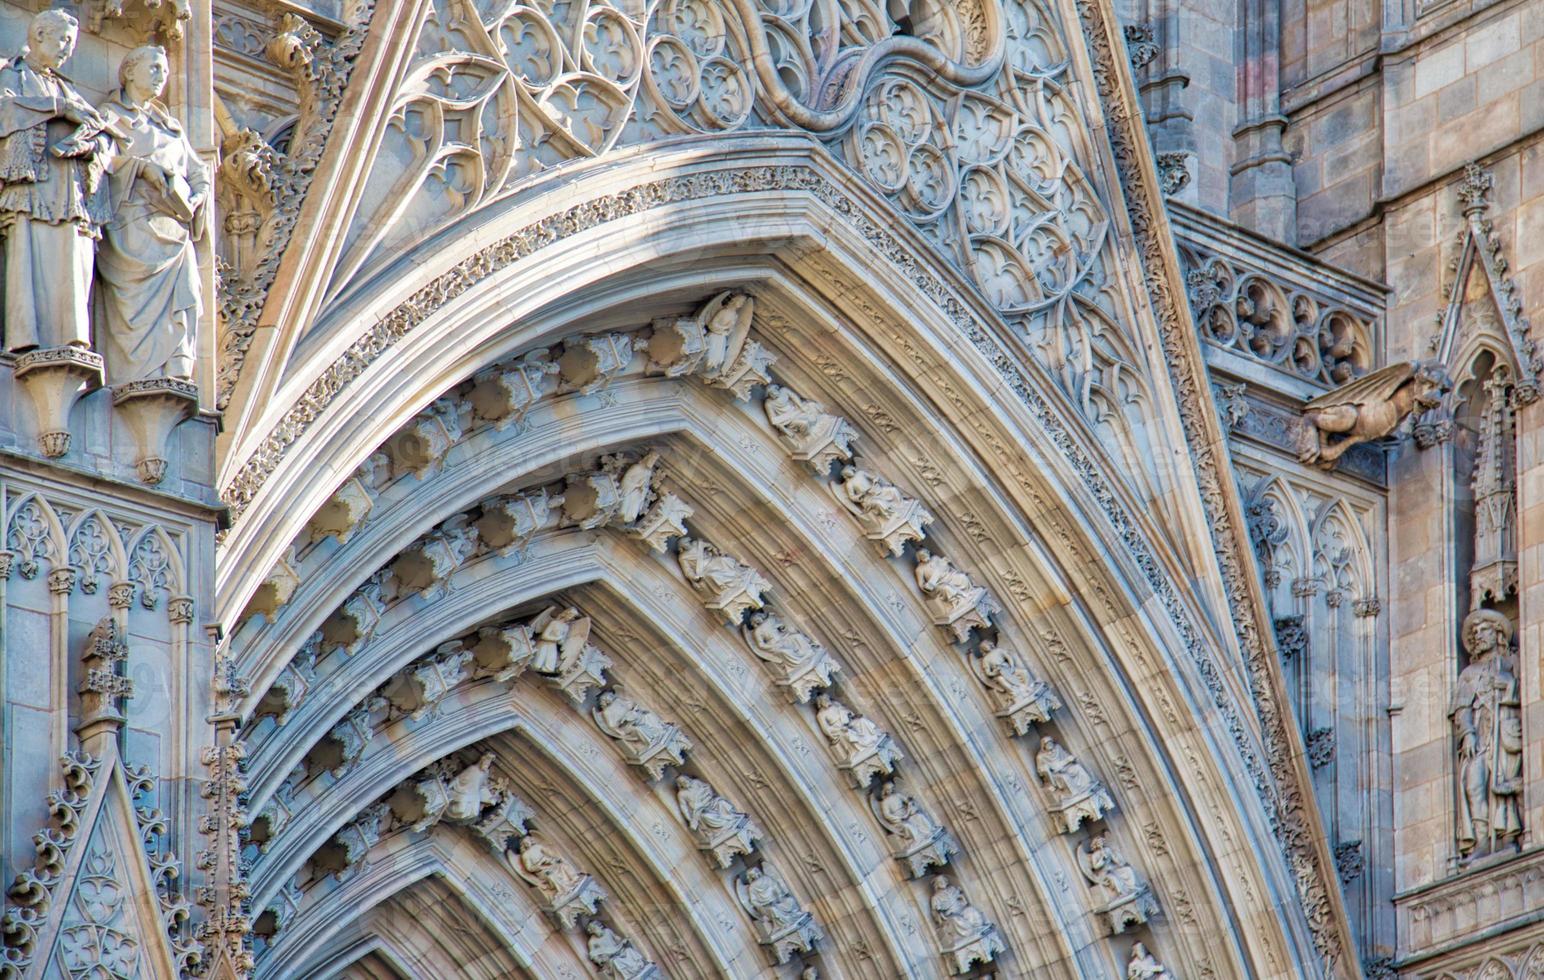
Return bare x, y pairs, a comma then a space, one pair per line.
159, 190
53, 149
1487, 721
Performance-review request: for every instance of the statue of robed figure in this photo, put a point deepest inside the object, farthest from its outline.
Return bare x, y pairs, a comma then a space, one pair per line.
148, 266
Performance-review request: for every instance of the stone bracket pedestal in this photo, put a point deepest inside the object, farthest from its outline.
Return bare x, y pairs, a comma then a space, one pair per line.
55, 378
151, 409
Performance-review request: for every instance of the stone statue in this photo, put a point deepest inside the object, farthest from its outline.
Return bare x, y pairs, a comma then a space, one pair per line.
965, 937
903, 818
958, 921
1144, 966
937, 576
1108, 871
770, 902
1371, 407
1022, 698
471, 790
159, 191
777, 644
792, 414
636, 488
616, 957
548, 870
779, 920
1126, 899
560, 638
628, 721
705, 812
1079, 796
850, 734
54, 149
875, 499
1487, 721
1006, 675
725, 334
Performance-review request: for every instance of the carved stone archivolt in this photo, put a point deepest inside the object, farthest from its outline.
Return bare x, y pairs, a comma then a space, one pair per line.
618, 495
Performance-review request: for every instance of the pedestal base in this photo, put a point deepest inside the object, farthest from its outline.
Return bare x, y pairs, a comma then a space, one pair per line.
151, 409
55, 377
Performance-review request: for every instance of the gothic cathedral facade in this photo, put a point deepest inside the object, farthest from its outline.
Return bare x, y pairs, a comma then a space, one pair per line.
771, 488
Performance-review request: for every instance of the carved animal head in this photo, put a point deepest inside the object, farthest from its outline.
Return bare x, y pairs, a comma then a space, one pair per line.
1428, 385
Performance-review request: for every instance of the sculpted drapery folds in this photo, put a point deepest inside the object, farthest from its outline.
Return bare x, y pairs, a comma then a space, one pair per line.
159, 190
1487, 723
53, 202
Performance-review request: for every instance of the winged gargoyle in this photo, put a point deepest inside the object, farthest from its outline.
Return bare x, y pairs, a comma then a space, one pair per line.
1370, 407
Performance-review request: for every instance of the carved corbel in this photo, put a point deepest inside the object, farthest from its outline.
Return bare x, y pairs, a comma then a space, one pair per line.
353, 623
507, 524
425, 567
504, 652
344, 855
55, 378
344, 511
504, 393
419, 447
345, 743
664, 521
418, 689
150, 410
289, 689
590, 362
276, 589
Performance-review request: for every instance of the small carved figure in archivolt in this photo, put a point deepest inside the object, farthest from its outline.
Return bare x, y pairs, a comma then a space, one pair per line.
1125, 898
804, 663
810, 435
615, 957
569, 892
1022, 698
726, 584
954, 601
1487, 722
646, 740
718, 826
560, 635
564, 653
920, 842
472, 789
863, 750
781, 922
1371, 407
887, 516
1078, 795
1143, 965
965, 937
